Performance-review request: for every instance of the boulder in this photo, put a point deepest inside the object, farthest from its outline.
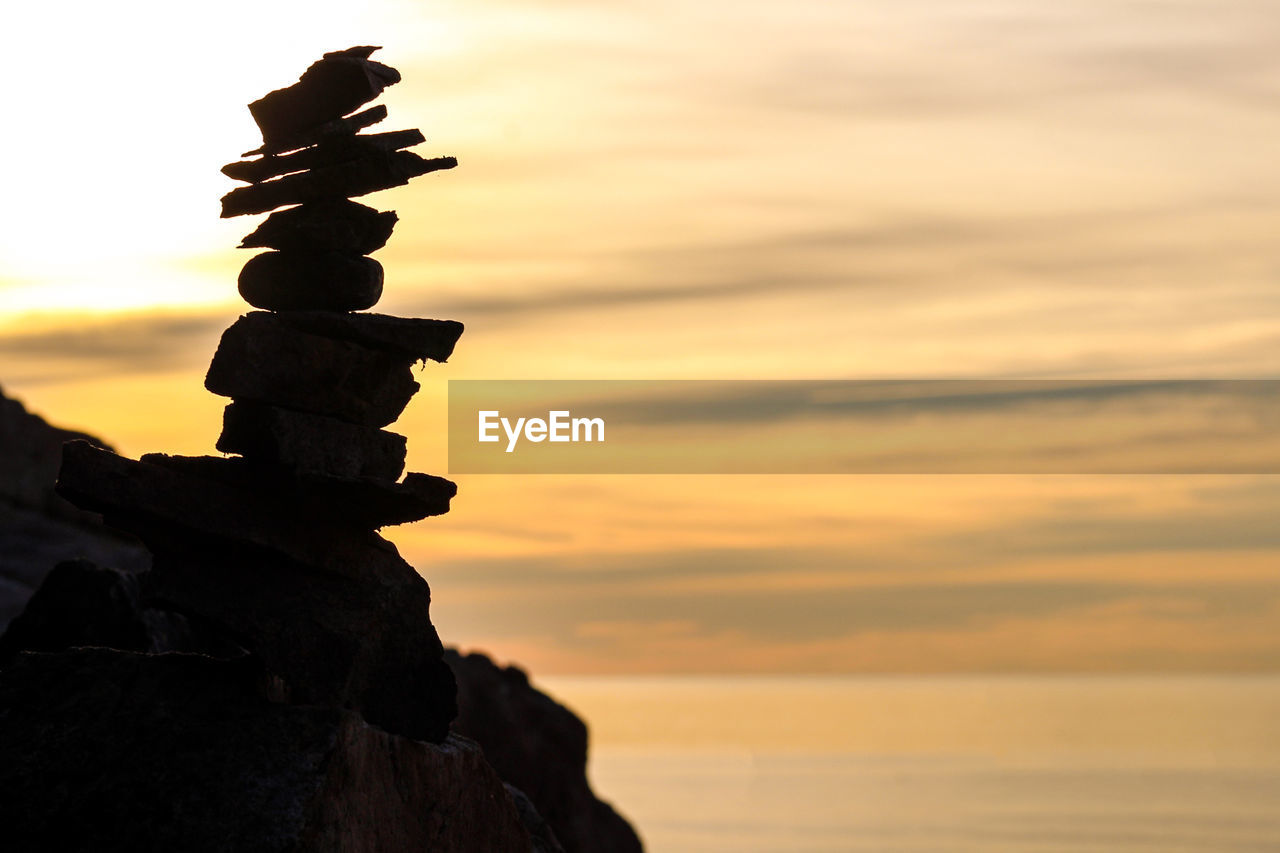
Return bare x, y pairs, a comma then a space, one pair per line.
312, 444
361, 640
538, 745
81, 604
324, 226
104, 751
330, 88
378, 170
292, 281
263, 358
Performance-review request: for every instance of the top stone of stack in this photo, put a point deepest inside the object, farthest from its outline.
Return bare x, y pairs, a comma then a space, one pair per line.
331, 88
313, 161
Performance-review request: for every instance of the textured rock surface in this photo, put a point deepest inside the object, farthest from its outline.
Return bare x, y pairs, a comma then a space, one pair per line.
324, 226
330, 88
378, 170
81, 604
409, 337
330, 608
539, 746
310, 443
104, 750
516, 725
263, 359
325, 521
331, 639
293, 281
333, 149
336, 129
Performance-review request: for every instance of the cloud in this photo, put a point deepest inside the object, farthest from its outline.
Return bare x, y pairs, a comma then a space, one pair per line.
68, 349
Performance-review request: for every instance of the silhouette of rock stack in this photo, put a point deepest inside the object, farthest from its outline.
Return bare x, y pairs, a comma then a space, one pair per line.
278, 547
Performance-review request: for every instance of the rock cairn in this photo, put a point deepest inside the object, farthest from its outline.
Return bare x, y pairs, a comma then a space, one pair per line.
277, 547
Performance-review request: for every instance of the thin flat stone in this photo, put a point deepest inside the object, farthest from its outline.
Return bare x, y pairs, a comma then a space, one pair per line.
329, 281
365, 503
333, 149
264, 359
368, 174
409, 337
339, 127
337, 226
310, 444
330, 88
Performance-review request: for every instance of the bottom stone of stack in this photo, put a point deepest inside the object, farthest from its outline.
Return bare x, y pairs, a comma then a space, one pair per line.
105, 750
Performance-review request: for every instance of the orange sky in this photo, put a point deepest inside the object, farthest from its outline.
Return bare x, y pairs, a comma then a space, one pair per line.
710, 190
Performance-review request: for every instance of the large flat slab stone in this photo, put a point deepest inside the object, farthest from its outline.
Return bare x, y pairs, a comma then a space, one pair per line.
265, 359
325, 522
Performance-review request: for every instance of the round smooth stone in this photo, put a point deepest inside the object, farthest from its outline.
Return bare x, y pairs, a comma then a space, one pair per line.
300, 281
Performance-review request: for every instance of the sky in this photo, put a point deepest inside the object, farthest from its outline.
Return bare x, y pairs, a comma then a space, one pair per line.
664, 189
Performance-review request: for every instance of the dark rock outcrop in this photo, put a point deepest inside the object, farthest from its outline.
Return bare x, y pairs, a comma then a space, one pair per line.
316, 715
538, 745
525, 733
184, 752
39, 529
81, 604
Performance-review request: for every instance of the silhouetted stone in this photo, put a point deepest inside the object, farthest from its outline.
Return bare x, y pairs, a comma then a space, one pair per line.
361, 640
330, 88
413, 338
263, 359
317, 519
337, 128
332, 610
373, 172
80, 604
333, 149
363, 503
324, 226
540, 832
105, 751
539, 746
292, 281
310, 443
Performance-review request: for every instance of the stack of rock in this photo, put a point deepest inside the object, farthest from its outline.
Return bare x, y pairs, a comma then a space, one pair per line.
278, 548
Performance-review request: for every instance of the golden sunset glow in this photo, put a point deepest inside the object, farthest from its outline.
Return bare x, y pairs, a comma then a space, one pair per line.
674, 190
